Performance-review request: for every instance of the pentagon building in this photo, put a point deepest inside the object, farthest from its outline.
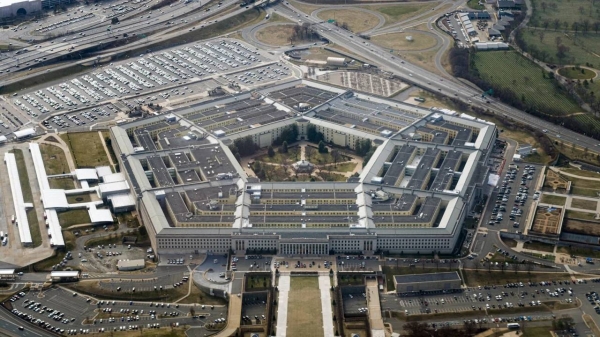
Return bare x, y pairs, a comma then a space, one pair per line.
412, 196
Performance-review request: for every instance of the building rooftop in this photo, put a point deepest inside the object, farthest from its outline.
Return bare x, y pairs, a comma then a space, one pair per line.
422, 170
422, 278
399, 162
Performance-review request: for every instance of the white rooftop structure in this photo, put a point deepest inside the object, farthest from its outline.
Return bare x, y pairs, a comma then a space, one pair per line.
86, 174
54, 199
7, 271
113, 177
102, 171
3, 139
98, 216
17, 197
25, 133
122, 200
64, 273
54, 229
107, 189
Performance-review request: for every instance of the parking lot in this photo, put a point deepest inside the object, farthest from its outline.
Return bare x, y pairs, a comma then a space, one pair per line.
514, 194
148, 72
254, 308
87, 117
355, 299
77, 314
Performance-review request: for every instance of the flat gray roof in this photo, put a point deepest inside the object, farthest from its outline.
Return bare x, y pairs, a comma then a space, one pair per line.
160, 170
398, 164
422, 278
446, 172
302, 94
427, 162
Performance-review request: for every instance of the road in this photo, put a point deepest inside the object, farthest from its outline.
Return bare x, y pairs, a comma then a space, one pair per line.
99, 34
425, 79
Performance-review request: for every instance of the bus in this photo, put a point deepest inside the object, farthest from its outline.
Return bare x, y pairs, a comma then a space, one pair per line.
513, 325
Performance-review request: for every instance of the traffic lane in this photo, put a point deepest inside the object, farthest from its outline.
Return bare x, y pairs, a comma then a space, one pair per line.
11, 323
99, 35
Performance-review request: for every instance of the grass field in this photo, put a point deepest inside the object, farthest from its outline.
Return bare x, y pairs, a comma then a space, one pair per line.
585, 204
577, 251
582, 49
257, 282
55, 160
357, 21
304, 308
568, 11
509, 242
86, 148
523, 77
278, 35
582, 173
73, 217
585, 187
553, 199
34, 225
580, 215
344, 167
534, 245
77, 198
577, 74
62, 184
537, 331
425, 59
474, 4
402, 11
398, 41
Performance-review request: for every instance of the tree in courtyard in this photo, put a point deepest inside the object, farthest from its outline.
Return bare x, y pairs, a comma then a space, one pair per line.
284, 147
308, 152
335, 155
270, 151
322, 147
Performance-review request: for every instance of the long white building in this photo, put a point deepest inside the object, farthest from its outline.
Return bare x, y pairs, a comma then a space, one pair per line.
412, 196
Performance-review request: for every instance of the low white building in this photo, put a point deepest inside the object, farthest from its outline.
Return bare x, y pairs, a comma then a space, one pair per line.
125, 265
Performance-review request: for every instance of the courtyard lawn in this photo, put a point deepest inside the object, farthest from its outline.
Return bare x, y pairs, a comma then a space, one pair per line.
585, 204
553, 199
524, 78
292, 156
87, 149
62, 183
577, 73
304, 307
55, 160
73, 217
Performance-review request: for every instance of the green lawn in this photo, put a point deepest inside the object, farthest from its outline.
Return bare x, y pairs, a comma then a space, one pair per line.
537, 331
553, 199
568, 11
582, 48
474, 4
544, 247
87, 149
582, 173
304, 307
73, 217
34, 225
292, 156
62, 183
523, 77
78, 198
577, 73
402, 11
584, 204
580, 215
55, 160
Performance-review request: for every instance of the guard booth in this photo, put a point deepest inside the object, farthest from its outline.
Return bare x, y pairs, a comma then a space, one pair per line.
64, 276
7, 274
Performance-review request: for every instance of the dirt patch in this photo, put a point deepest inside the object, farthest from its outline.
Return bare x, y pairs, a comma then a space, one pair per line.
581, 227
365, 82
405, 41
555, 180
546, 221
279, 35
357, 20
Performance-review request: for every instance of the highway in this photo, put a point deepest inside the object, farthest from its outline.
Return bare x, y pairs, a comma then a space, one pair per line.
99, 34
425, 79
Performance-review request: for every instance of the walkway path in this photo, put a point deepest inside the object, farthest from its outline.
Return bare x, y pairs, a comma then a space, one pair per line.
325, 288
234, 317
282, 311
375, 319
